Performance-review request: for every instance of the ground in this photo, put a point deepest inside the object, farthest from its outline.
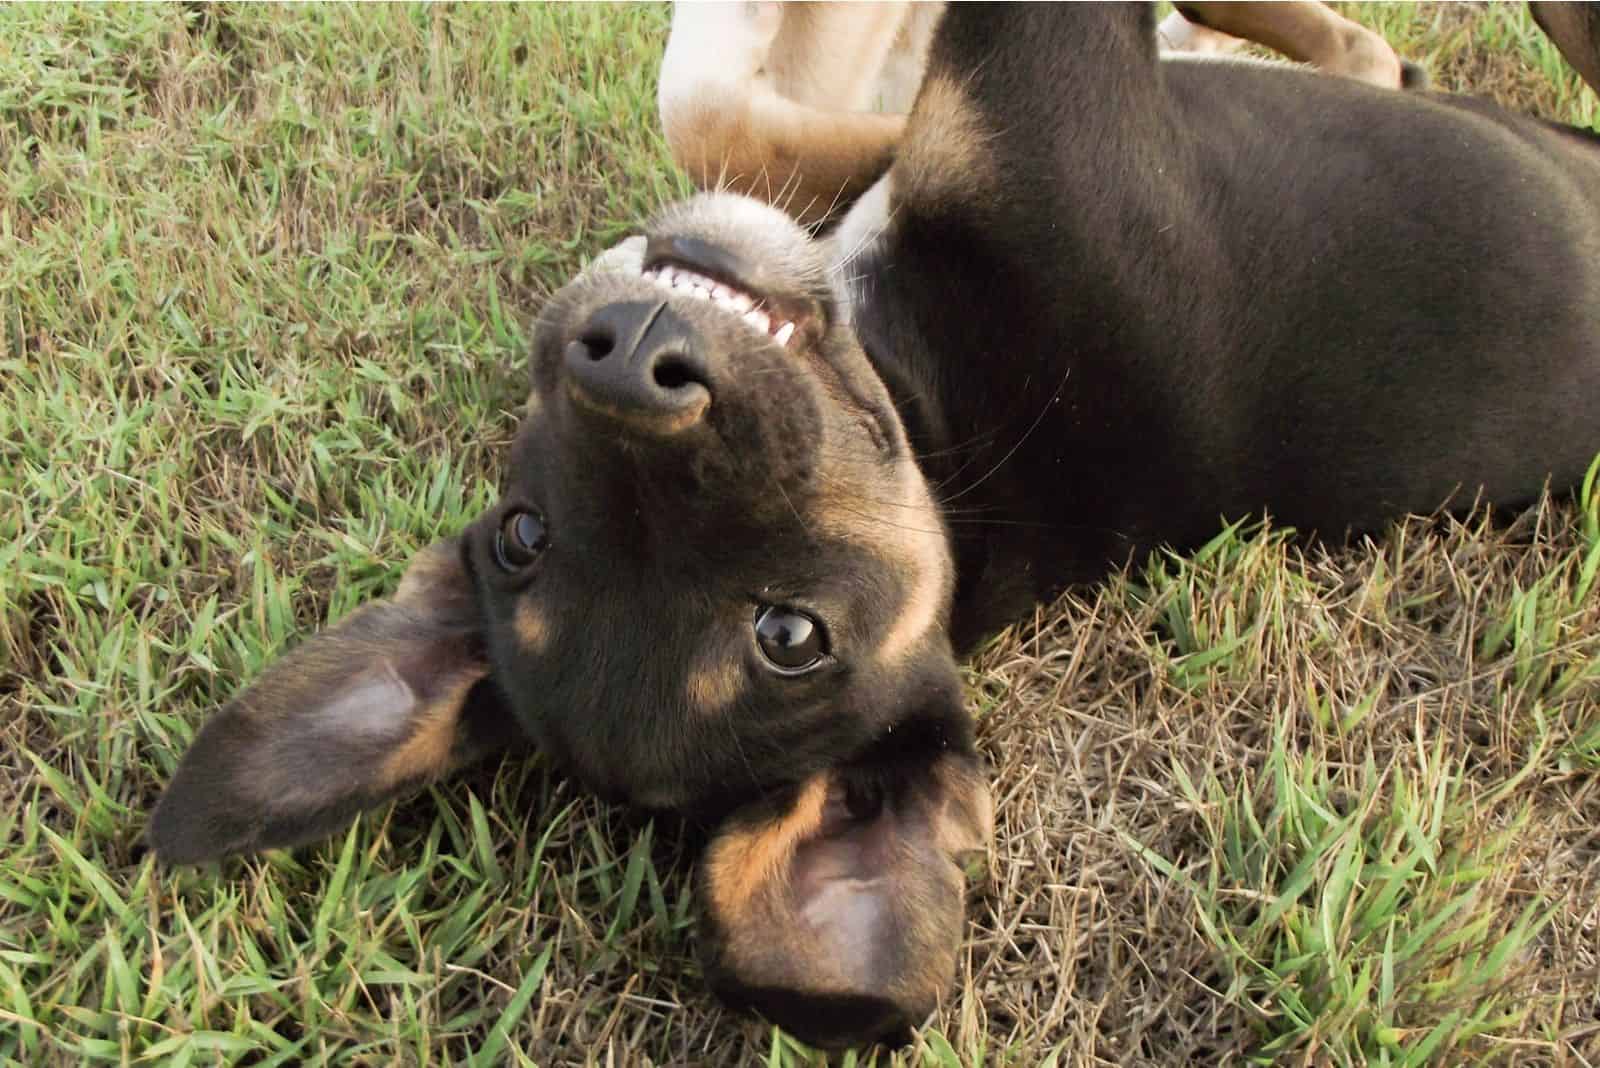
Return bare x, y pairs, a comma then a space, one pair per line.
266, 275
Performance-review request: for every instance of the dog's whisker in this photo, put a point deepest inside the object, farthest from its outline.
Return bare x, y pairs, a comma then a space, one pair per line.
1043, 411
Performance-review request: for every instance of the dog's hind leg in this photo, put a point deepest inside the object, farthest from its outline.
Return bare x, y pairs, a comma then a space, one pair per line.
1310, 33
773, 100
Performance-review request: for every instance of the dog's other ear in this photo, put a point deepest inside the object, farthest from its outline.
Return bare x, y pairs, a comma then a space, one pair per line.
393, 695
1574, 28
837, 910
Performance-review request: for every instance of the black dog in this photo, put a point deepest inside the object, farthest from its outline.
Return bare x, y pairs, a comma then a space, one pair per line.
1098, 303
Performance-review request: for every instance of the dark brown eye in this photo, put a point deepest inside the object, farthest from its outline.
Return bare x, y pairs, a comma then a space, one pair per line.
791, 641
519, 541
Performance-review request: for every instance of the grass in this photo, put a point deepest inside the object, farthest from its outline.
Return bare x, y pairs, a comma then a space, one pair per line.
264, 280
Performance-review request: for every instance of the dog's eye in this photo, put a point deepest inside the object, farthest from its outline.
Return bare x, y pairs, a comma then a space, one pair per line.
791, 641
519, 541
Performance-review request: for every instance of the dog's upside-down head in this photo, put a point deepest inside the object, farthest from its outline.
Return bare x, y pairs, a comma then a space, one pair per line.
716, 582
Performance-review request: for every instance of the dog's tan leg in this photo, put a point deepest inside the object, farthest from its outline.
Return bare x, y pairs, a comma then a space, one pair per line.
1305, 31
807, 161
832, 55
1177, 34
766, 100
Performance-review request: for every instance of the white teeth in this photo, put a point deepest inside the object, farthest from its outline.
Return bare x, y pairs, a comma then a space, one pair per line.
687, 283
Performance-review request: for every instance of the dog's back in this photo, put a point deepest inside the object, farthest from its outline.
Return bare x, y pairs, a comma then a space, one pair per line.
1404, 286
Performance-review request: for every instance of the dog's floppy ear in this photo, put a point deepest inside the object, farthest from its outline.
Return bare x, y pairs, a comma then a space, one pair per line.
837, 910
393, 695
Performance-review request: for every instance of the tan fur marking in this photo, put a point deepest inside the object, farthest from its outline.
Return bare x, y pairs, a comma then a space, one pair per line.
904, 528
655, 424
781, 941
429, 570
920, 610
427, 752
745, 862
533, 630
944, 154
714, 688
969, 823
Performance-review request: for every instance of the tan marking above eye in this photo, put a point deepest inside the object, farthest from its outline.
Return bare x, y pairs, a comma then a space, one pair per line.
745, 862
715, 687
533, 630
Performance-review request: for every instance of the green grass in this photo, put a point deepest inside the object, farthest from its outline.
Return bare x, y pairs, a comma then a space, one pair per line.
1380, 935
265, 275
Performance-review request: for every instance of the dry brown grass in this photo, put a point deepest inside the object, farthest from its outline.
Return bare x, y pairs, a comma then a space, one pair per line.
1081, 939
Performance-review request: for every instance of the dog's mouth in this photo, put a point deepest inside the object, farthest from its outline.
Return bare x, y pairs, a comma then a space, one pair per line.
688, 267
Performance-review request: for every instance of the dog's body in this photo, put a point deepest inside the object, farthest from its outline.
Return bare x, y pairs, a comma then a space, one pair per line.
1243, 287
768, 484
802, 104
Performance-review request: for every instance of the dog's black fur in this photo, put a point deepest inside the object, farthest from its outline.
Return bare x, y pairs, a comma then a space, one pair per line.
1195, 290
1106, 304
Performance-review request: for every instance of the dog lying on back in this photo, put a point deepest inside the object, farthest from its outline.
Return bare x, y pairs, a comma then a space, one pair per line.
802, 104
1099, 301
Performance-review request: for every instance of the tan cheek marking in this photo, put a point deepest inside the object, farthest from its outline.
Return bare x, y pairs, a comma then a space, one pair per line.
533, 631
744, 862
917, 548
905, 530
714, 688
920, 610
427, 752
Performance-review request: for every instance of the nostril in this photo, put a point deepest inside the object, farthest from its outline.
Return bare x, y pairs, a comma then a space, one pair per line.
638, 363
596, 344
674, 372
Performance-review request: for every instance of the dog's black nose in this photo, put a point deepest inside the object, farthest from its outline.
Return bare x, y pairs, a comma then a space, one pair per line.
637, 362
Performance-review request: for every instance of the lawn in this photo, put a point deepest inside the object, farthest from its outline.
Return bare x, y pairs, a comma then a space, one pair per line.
266, 275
